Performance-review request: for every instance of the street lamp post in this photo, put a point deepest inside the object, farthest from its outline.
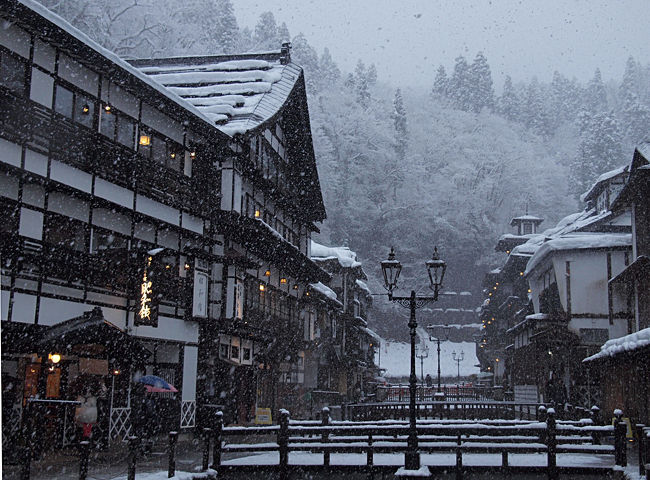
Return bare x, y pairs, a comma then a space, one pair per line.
458, 359
391, 269
436, 339
422, 352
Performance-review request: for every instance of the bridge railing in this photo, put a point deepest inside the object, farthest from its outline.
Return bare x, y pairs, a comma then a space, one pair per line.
401, 393
503, 437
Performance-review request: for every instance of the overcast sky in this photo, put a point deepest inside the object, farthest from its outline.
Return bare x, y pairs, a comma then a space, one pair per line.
408, 39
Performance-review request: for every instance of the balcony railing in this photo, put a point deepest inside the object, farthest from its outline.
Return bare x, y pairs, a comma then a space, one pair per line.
24, 121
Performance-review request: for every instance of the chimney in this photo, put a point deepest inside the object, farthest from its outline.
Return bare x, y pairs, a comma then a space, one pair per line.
285, 53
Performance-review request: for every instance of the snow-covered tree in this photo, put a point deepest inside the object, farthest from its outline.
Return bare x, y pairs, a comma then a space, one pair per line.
371, 75
283, 33
481, 89
401, 142
596, 95
329, 71
536, 111
600, 150
304, 55
440, 84
460, 85
361, 84
266, 33
508, 104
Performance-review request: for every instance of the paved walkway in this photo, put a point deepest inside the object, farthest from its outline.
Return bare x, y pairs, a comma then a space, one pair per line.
109, 464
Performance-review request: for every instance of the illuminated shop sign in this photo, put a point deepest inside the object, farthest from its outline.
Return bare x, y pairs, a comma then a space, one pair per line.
147, 313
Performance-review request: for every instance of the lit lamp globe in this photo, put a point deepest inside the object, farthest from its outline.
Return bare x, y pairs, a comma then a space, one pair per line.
436, 270
391, 269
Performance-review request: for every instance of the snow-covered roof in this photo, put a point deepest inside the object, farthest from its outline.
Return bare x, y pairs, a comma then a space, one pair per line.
112, 57
372, 333
578, 241
324, 289
530, 218
628, 343
644, 149
238, 93
346, 257
598, 184
362, 285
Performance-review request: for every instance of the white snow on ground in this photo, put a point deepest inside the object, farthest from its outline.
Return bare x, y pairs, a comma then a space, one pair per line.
627, 343
162, 475
395, 358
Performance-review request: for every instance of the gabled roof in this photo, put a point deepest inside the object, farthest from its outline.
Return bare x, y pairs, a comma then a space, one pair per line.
237, 92
638, 184
602, 181
579, 241
33, 15
526, 218
244, 94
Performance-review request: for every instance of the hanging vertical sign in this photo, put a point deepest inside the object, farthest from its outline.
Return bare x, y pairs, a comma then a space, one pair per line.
200, 295
147, 307
239, 299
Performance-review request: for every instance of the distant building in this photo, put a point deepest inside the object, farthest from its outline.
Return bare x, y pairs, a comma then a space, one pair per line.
350, 370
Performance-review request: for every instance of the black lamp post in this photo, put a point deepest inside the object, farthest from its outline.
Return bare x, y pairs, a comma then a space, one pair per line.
422, 352
436, 339
458, 359
391, 269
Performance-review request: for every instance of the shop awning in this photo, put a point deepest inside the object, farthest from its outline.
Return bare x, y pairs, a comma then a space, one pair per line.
91, 334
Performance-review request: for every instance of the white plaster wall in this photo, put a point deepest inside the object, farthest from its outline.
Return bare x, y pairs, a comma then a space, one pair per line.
10, 152
191, 356
169, 329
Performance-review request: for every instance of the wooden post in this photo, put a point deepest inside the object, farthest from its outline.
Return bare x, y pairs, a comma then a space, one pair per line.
620, 445
216, 446
646, 451
206, 448
283, 442
459, 459
25, 462
370, 459
504, 462
640, 441
541, 413
595, 419
84, 452
325, 420
551, 444
134, 446
171, 469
